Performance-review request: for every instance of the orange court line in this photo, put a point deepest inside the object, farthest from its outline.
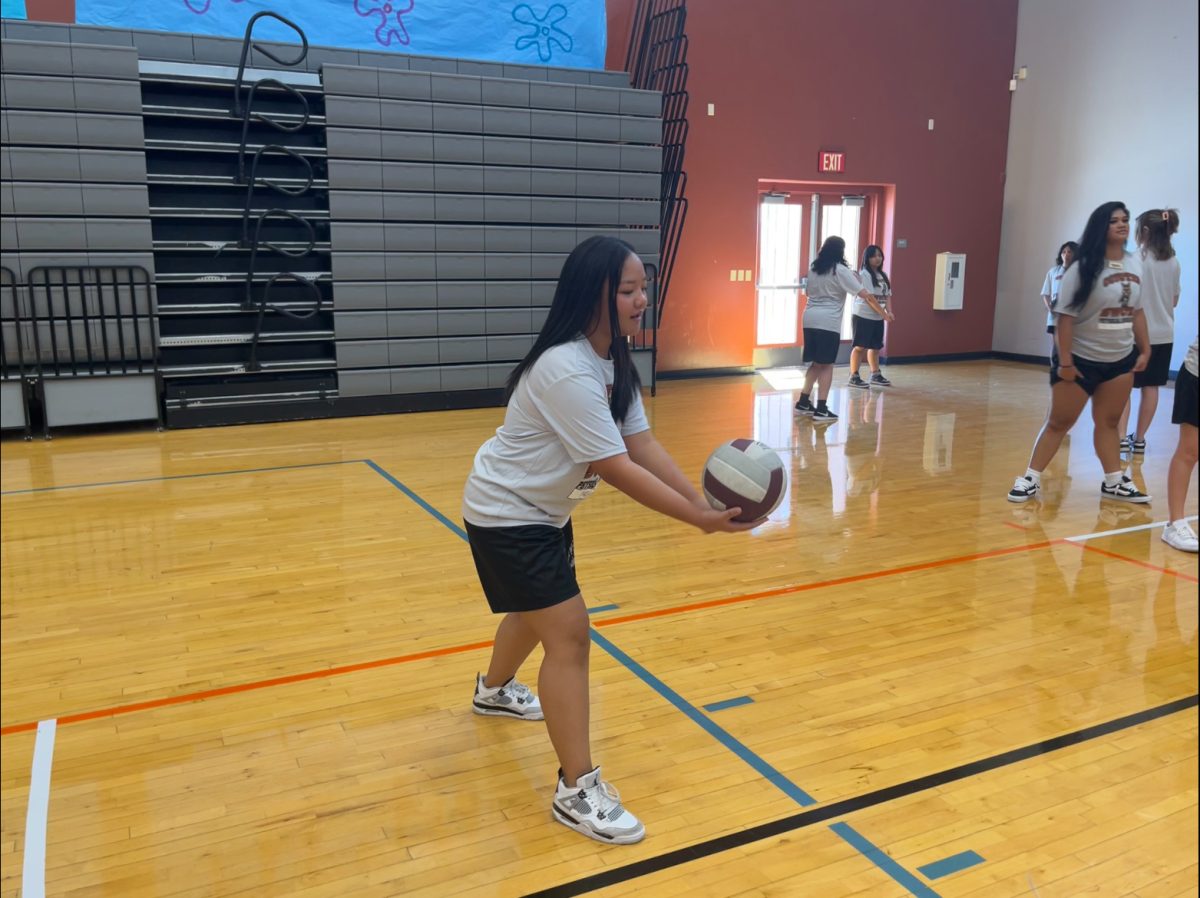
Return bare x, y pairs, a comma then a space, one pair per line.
1145, 564
247, 687
804, 587
455, 650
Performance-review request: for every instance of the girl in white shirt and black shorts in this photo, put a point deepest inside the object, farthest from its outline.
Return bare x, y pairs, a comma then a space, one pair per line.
1100, 339
829, 281
574, 417
867, 322
1160, 296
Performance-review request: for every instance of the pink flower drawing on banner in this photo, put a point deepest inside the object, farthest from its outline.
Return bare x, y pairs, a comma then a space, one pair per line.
204, 6
386, 33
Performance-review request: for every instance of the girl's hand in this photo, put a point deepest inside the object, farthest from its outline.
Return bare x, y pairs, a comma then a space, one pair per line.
1143, 360
889, 315
714, 521
1068, 373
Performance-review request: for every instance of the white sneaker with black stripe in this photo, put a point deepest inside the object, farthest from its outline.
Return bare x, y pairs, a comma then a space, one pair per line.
593, 807
513, 699
1124, 491
1024, 489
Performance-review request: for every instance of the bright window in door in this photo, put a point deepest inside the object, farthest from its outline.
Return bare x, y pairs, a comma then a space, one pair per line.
778, 271
843, 221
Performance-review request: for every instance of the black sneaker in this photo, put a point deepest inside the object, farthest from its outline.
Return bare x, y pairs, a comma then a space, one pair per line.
1126, 444
823, 415
1124, 491
856, 381
1137, 447
805, 408
878, 380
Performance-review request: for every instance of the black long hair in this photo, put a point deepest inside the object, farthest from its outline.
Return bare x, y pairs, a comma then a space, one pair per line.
868, 253
1092, 247
1072, 246
832, 254
591, 275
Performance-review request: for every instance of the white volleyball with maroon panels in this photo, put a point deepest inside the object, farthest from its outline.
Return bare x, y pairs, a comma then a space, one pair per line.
745, 474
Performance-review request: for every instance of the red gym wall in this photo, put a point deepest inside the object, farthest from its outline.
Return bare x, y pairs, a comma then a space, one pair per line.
859, 76
51, 11
789, 79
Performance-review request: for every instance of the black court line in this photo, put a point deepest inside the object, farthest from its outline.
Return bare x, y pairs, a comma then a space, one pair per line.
858, 803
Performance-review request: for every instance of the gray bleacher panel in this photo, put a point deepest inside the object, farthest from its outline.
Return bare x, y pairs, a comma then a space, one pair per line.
416, 380
456, 187
35, 58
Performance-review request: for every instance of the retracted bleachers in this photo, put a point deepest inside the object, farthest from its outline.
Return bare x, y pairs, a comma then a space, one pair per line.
441, 197
76, 224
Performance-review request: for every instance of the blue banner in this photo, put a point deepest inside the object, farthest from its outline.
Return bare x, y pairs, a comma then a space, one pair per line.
12, 9
570, 33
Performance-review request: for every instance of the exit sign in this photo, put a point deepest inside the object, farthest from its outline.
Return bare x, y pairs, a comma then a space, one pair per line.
828, 160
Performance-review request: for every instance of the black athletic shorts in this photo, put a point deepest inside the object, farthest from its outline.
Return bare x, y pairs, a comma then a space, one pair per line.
868, 332
524, 568
821, 346
1185, 410
1091, 374
1158, 369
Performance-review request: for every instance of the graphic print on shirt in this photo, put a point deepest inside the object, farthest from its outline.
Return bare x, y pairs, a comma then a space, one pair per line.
1120, 316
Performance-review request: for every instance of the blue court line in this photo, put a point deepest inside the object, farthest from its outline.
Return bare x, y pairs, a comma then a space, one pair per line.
777, 779
81, 486
729, 703
863, 845
600, 608
952, 864
458, 531
881, 860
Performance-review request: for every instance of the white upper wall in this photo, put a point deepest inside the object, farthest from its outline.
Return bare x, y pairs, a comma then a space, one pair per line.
1108, 112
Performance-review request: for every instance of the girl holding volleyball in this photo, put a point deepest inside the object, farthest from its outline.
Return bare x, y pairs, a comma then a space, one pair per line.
574, 418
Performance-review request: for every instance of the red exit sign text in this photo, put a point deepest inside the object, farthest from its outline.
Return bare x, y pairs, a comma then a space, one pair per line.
830, 161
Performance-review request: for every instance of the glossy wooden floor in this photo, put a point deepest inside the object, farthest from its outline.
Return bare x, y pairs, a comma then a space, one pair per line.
259, 646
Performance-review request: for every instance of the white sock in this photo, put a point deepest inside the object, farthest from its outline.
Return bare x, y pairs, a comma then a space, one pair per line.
1113, 478
1035, 476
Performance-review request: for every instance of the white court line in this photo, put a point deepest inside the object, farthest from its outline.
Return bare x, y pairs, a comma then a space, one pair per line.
33, 872
1085, 537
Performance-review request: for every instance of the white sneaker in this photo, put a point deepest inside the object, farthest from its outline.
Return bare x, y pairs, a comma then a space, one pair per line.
593, 807
513, 699
1024, 490
1179, 535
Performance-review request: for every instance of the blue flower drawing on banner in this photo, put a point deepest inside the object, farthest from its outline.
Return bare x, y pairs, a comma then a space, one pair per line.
545, 33
204, 5
385, 34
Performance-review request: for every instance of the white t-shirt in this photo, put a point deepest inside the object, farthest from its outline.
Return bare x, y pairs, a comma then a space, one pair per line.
536, 469
1192, 360
1160, 286
862, 308
1104, 323
1050, 288
827, 297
